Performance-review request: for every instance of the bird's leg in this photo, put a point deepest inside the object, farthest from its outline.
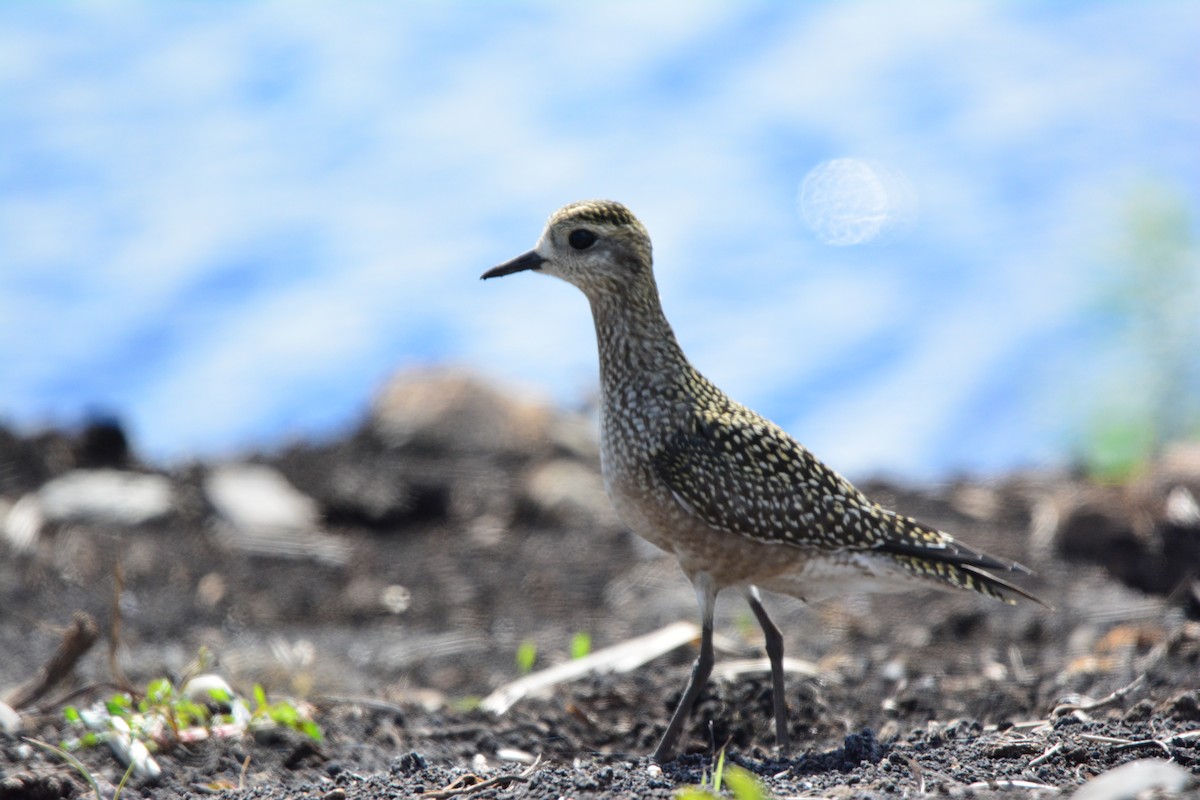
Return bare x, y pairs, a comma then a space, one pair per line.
774, 643
706, 596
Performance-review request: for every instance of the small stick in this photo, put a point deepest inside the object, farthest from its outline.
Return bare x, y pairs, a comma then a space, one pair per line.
1046, 756
114, 629
242, 775
1014, 784
1112, 699
365, 702
1128, 744
460, 786
77, 639
917, 772
490, 783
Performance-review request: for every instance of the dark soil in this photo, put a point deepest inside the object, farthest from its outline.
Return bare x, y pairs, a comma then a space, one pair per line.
459, 523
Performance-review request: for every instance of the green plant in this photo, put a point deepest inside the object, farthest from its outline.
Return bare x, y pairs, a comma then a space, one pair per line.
581, 644
282, 713
526, 656
742, 784
467, 703
163, 701
164, 716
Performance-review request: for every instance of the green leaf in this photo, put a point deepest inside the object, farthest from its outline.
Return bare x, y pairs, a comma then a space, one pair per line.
743, 784
119, 705
467, 703
159, 691
219, 695
581, 644
285, 714
526, 656
311, 730
187, 713
719, 772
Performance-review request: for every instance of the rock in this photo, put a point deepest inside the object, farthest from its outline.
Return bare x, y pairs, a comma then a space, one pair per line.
250, 496
10, 720
106, 496
1146, 532
23, 467
264, 514
22, 523
1182, 508
567, 489
447, 409
103, 443
1129, 781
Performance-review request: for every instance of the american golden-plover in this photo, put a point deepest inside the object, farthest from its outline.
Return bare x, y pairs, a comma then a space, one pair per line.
737, 500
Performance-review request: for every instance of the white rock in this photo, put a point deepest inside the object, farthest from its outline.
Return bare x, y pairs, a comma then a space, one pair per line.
10, 720
395, 598
1182, 508
200, 690
128, 750
23, 522
107, 496
254, 496
1130, 780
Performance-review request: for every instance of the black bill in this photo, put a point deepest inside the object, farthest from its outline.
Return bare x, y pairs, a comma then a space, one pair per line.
530, 260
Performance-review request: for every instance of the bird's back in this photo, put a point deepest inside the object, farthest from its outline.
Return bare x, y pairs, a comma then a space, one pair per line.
690, 468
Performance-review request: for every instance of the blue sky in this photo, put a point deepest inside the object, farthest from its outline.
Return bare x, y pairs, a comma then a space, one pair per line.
229, 223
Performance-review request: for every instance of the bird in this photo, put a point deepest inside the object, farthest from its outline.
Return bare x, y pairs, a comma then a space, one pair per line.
736, 499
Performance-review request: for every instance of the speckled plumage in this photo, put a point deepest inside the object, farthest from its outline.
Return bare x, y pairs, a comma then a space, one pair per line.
737, 500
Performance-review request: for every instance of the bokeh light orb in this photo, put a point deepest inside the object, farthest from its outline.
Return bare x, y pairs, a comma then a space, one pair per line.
849, 201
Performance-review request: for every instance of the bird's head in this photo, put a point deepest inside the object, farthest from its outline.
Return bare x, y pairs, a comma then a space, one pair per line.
597, 245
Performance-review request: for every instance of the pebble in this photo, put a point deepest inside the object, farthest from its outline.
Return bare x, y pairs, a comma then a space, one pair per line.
10, 720
1133, 779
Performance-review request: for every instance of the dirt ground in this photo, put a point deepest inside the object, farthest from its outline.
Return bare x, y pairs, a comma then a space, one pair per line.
411, 565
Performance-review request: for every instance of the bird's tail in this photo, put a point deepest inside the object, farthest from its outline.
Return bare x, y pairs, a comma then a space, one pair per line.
936, 555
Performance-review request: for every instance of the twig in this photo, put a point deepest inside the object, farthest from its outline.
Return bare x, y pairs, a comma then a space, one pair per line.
365, 702
1104, 702
1148, 743
626, 656
1014, 784
1049, 753
114, 628
1030, 724
77, 639
918, 774
1127, 744
52, 705
470, 783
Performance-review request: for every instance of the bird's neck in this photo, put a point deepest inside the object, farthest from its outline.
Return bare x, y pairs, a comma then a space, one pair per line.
637, 347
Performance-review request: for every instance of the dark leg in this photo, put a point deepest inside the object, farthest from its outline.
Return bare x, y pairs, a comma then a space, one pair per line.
774, 641
701, 671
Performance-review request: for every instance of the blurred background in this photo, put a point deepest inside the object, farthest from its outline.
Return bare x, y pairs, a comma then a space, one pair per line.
926, 239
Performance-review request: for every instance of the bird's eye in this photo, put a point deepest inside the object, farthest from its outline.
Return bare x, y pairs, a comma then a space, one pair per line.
581, 239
